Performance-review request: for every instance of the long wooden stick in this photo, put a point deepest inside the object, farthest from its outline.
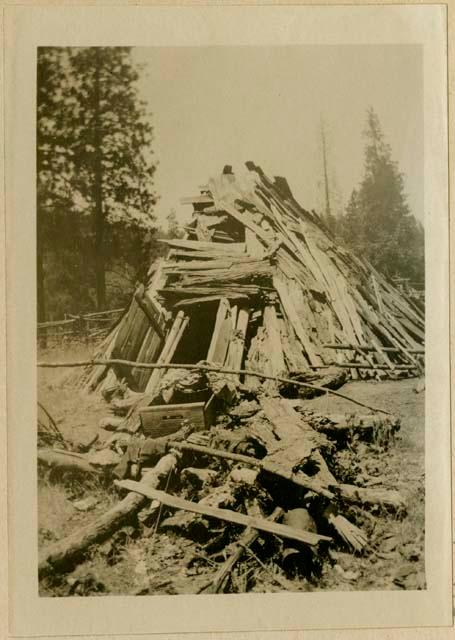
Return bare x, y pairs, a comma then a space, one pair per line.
202, 367
227, 515
359, 365
300, 479
219, 581
367, 347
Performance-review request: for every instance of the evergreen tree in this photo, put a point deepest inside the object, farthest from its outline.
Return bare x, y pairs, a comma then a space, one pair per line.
112, 151
378, 223
95, 135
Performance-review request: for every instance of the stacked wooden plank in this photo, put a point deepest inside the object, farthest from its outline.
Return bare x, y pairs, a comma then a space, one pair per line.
297, 302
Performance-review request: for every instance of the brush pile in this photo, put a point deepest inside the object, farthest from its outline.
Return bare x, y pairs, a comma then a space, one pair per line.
262, 477
236, 464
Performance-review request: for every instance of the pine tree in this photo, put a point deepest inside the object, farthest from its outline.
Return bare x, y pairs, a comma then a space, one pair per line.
378, 223
112, 150
56, 227
95, 163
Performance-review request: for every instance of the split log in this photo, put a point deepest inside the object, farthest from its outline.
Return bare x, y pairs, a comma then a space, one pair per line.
237, 344
288, 424
370, 427
222, 333
387, 498
66, 553
168, 351
311, 539
350, 533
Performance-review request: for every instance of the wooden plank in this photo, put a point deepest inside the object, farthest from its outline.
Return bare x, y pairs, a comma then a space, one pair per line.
222, 333
292, 348
237, 273
201, 199
100, 370
377, 293
291, 313
254, 246
209, 247
152, 348
212, 261
289, 425
149, 308
246, 219
372, 347
223, 290
226, 515
276, 355
191, 301
175, 334
237, 343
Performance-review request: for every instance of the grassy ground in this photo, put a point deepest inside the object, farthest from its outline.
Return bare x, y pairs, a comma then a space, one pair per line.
397, 545
166, 563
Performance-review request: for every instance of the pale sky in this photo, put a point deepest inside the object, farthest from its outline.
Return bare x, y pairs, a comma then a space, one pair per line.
225, 105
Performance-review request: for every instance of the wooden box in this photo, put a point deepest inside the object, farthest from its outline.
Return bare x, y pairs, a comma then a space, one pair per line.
165, 419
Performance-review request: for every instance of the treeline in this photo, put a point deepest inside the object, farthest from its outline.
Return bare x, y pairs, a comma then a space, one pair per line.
377, 223
96, 231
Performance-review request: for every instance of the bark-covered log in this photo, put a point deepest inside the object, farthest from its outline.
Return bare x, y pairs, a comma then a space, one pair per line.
386, 498
64, 554
62, 462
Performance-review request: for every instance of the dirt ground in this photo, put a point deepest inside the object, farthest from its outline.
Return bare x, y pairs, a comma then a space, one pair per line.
165, 563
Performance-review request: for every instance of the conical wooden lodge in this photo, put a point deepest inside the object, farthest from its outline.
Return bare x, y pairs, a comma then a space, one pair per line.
259, 283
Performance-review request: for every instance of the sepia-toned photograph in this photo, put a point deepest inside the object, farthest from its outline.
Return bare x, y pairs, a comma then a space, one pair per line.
231, 319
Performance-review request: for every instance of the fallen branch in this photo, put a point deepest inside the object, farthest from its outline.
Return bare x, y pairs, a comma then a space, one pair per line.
203, 367
66, 461
227, 515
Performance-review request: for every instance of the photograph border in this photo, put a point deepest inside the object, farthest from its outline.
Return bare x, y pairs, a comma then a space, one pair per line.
27, 28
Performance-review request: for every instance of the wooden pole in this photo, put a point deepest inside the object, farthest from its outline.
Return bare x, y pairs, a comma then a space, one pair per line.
202, 367
368, 347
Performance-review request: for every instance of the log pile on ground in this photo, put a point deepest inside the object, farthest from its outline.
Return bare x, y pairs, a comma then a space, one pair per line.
230, 461
262, 473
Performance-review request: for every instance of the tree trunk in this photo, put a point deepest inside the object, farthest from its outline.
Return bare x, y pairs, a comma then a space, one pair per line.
65, 554
328, 212
99, 222
41, 294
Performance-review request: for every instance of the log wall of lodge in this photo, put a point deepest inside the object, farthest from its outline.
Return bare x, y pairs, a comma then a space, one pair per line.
288, 300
